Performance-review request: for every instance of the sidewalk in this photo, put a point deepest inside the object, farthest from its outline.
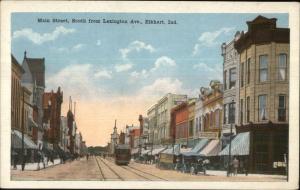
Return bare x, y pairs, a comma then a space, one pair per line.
224, 173
34, 166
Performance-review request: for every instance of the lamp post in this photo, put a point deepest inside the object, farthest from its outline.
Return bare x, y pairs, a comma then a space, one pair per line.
230, 139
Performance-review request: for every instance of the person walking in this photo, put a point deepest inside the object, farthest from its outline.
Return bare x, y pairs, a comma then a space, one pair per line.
235, 165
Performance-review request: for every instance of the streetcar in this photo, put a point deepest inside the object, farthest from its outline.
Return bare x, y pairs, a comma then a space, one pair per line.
122, 154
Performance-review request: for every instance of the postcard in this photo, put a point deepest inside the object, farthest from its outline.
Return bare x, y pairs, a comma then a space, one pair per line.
154, 95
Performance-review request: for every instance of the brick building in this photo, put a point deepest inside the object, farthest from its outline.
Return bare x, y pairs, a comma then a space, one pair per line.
264, 93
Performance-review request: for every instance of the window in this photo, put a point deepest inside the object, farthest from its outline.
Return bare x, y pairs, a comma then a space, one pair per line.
282, 67
241, 111
281, 108
242, 74
225, 114
217, 118
197, 127
248, 109
232, 112
191, 131
248, 70
263, 68
232, 77
262, 107
199, 124
225, 80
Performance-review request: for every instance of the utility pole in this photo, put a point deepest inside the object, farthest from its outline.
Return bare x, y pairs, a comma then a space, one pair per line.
23, 109
231, 123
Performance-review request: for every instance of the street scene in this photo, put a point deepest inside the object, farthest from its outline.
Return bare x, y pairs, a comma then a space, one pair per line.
150, 97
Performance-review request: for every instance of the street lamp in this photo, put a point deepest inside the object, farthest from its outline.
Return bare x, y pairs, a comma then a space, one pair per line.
231, 114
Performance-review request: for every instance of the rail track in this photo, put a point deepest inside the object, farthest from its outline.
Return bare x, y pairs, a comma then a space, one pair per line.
100, 169
110, 168
147, 173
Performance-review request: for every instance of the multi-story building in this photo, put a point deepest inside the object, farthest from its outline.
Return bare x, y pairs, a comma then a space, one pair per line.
212, 102
164, 107
52, 116
63, 133
34, 80
231, 89
179, 123
153, 131
264, 93
16, 94
71, 128
191, 123
198, 126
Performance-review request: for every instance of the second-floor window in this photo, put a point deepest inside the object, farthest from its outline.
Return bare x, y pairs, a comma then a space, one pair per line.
232, 112
217, 118
262, 107
248, 109
232, 77
281, 108
225, 114
282, 67
263, 68
248, 70
225, 80
242, 74
241, 111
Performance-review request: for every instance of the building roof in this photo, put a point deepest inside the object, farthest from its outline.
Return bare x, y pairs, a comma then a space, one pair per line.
16, 63
37, 69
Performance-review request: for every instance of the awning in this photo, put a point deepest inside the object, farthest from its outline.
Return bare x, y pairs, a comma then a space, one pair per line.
184, 150
17, 141
157, 150
172, 150
199, 146
211, 149
145, 151
239, 146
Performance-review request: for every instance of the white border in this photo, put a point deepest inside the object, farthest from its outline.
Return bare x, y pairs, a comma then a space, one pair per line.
8, 7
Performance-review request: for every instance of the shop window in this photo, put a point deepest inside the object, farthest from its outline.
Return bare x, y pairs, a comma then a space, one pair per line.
282, 67
263, 68
281, 108
232, 77
262, 107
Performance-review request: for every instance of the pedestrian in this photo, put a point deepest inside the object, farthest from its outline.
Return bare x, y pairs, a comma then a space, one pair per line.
235, 164
87, 156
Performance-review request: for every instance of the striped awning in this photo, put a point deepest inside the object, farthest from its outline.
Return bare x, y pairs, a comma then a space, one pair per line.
211, 149
157, 150
17, 141
200, 145
145, 151
240, 145
172, 150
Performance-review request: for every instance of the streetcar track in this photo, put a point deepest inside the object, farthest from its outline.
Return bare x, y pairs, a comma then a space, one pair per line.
121, 178
142, 172
103, 177
148, 173
124, 167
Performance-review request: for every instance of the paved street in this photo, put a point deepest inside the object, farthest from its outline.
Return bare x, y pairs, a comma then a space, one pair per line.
97, 168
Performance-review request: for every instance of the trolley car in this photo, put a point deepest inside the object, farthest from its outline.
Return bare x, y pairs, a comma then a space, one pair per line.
122, 154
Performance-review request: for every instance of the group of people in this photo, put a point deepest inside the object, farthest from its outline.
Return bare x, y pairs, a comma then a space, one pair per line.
236, 165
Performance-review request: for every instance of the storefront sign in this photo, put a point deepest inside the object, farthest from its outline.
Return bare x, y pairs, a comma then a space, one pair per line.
209, 135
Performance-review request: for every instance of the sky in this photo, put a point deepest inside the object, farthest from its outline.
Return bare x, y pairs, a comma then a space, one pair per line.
118, 71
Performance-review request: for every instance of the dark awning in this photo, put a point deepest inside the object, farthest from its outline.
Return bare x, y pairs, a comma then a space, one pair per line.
17, 141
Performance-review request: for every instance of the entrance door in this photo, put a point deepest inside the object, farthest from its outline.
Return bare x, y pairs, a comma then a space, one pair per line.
261, 141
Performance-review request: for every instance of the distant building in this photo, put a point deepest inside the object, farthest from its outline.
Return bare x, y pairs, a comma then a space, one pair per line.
153, 131
64, 138
52, 116
122, 138
164, 106
114, 138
